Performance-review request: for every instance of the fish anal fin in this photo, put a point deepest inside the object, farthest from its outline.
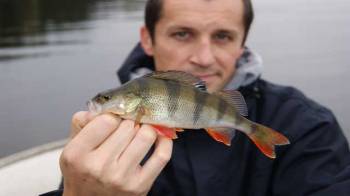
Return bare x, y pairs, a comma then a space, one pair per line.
166, 131
235, 98
223, 135
266, 139
179, 76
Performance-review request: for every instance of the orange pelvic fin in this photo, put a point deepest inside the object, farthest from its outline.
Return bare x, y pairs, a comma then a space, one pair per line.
266, 139
166, 131
221, 135
179, 130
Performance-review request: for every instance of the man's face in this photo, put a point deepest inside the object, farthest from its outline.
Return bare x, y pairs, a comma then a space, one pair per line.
201, 37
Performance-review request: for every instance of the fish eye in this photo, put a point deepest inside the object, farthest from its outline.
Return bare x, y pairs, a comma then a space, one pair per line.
106, 97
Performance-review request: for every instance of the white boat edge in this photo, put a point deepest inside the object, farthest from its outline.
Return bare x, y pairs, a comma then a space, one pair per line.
26, 154
32, 172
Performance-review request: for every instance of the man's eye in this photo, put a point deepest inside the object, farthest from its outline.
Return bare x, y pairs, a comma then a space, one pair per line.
181, 35
223, 37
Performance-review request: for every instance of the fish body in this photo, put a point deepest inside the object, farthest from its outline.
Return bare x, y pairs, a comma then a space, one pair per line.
174, 105
172, 101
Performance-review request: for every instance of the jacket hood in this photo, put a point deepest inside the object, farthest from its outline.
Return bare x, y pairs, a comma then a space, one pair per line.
137, 64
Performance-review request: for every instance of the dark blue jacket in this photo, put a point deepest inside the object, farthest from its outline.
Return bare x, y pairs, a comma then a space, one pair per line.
316, 163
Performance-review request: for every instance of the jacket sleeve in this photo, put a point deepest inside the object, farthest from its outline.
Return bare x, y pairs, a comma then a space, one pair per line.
317, 163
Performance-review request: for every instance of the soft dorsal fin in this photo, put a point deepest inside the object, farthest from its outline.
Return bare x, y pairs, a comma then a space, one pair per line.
236, 99
179, 76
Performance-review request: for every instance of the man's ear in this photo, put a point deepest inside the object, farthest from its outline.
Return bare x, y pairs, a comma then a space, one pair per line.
146, 41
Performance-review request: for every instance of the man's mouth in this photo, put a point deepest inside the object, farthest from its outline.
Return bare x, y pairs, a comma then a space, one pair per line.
206, 77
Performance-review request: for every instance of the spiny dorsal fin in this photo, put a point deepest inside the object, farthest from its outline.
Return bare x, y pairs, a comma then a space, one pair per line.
179, 76
236, 99
201, 86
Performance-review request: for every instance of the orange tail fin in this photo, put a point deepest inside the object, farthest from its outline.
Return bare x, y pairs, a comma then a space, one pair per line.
266, 139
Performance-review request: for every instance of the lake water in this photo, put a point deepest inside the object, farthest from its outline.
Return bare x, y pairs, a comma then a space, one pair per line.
56, 54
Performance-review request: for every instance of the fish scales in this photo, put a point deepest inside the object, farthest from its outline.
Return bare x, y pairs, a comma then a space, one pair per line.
173, 90
204, 112
154, 99
194, 110
216, 112
166, 109
197, 109
221, 111
199, 101
161, 98
184, 114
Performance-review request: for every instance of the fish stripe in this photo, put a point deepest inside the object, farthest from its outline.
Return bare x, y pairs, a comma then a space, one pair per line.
173, 89
200, 99
222, 106
239, 119
144, 86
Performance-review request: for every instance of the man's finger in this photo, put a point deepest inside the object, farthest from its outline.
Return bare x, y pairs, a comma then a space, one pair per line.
79, 120
116, 143
95, 132
138, 148
158, 160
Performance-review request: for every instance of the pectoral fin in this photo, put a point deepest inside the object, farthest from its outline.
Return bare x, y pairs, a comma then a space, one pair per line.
141, 111
133, 104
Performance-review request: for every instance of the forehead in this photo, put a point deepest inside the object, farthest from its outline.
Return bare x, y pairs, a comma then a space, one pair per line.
203, 13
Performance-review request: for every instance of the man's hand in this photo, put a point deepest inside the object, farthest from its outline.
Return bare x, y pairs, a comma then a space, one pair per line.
104, 154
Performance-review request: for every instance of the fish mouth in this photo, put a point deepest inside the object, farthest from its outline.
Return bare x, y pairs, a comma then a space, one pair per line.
94, 107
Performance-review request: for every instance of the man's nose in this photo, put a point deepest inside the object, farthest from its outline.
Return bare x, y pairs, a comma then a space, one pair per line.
203, 54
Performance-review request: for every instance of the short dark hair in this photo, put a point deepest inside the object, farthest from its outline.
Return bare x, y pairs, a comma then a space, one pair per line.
153, 12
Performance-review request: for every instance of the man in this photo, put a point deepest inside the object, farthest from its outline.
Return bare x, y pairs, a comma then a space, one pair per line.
108, 156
